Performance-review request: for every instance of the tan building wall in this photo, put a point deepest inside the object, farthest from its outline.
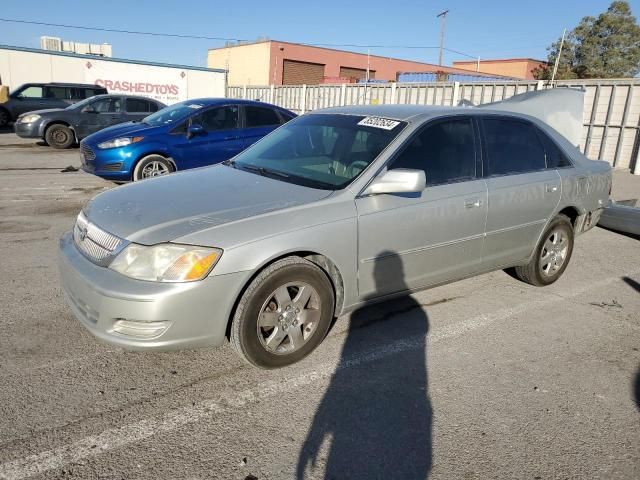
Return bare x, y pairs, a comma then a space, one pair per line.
510, 67
247, 64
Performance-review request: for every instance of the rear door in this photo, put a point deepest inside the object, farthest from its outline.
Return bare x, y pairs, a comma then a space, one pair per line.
523, 192
219, 141
436, 235
57, 96
258, 122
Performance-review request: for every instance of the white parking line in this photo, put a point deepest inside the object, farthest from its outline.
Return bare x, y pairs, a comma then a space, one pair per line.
135, 432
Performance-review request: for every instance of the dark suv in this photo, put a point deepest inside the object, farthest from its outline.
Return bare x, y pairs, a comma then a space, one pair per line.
61, 128
38, 96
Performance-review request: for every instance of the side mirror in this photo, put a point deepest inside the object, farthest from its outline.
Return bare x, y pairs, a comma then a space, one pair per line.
399, 180
195, 129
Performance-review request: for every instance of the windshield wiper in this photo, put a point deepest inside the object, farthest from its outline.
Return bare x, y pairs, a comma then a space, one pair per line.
265, 172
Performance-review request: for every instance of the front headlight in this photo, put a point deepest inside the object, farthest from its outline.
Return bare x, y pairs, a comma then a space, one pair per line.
166, 262
119, 142
29, 118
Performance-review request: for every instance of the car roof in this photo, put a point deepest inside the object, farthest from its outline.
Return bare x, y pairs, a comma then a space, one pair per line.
64, 84
412, 113
141, 97
207, 102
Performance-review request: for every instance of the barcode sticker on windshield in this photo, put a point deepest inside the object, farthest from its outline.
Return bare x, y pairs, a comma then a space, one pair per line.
379, 122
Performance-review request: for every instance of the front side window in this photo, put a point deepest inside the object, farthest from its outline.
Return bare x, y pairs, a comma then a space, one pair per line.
107, 105
59, 93
323, 151
32, 91
219, 118
512, 146
260, 117
444, 150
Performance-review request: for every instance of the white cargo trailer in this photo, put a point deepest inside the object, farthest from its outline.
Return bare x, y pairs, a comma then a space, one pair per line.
165, 82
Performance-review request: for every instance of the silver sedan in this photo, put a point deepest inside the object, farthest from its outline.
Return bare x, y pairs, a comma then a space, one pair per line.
335, 209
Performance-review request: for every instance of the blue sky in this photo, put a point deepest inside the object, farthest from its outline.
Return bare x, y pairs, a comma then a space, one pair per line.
485, 28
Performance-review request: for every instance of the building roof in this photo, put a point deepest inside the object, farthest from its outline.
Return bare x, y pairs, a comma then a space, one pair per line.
109, 59
497, 60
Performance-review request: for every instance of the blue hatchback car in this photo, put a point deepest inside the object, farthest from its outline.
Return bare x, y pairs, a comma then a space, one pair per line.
185, 135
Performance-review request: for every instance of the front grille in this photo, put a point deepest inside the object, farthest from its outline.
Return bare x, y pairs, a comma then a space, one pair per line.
112, 167
93, 242
87, 153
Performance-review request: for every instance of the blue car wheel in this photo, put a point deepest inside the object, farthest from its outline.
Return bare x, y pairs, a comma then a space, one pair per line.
152, 166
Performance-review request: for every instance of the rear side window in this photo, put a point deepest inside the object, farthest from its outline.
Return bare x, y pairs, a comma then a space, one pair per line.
261, 117
512, 146
137, 105
553, 155
285, 117
445, 151
153, 107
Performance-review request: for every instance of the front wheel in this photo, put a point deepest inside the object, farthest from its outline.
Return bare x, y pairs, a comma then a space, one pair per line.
59, 136
551, 256
284, 314
152, 166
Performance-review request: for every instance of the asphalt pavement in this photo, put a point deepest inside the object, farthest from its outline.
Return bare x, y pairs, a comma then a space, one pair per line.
483, 378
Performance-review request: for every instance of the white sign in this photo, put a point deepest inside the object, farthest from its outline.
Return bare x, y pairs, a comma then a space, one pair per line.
379, 122
168, 85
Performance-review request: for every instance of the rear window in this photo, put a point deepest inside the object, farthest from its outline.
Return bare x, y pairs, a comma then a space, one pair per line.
553, 155
512, 146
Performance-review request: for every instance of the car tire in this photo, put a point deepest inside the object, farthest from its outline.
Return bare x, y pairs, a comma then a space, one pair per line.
152, 166
59, 136
5, 118
551, 256
284, 314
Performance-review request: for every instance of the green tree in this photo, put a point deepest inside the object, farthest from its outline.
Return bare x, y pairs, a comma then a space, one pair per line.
606, 46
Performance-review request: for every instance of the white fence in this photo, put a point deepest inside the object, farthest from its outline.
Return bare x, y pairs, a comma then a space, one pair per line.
611, 113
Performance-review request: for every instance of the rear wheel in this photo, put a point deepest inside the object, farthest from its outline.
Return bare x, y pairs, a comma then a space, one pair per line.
5, 118
59, 136
551, 256
284, 314
152, 166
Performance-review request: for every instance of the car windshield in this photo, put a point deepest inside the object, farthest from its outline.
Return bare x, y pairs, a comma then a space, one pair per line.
172, 114
326, 151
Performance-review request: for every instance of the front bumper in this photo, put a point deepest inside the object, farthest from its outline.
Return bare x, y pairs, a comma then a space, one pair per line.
28, 130
140, 315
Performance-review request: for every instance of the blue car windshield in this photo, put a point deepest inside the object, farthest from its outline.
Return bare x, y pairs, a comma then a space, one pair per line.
172, 114
325, 151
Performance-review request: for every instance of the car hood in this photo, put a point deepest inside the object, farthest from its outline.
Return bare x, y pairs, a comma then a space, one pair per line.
44, 112
165, 208
127, 129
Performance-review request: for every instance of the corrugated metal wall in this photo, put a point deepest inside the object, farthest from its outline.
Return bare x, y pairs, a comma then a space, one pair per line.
611, 108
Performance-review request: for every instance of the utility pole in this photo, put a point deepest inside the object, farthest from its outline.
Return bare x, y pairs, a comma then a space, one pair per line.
442, 15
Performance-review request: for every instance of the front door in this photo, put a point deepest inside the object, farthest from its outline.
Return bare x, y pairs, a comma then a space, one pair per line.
434, 236
99, 114
523, 192
219, 141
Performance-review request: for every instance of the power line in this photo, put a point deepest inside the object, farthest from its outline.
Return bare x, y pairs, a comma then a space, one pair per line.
225, 39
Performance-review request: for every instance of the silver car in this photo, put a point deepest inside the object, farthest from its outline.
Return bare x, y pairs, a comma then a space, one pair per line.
313, 221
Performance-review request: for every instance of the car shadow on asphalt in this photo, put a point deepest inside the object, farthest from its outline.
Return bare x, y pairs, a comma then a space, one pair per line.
375, 418
636, 384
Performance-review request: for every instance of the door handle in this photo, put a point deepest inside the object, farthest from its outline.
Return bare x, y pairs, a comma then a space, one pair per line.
551, 187
472, 203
